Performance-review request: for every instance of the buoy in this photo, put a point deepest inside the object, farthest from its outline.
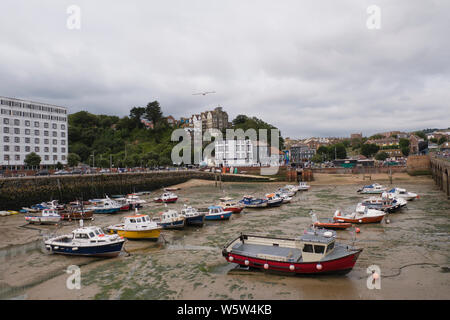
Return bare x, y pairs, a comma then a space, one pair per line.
266, 266
230, 258
292, 267
359, 220
319, 266
221, 216
246, 262
357, 230
388, 221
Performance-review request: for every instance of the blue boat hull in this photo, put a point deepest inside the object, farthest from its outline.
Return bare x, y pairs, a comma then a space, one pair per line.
195, 221
172, 225
107, 250
106, 210
225, 216
275, 204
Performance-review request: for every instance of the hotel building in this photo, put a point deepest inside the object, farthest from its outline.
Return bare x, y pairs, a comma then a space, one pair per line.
241, 153
27, 126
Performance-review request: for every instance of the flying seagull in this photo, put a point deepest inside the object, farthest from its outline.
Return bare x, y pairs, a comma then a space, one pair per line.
203, 93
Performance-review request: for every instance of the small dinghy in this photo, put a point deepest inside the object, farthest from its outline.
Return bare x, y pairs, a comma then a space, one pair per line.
292, 188
286, 198
167, 197
170, 219
138, 226
368, 216
380, 203
402, 193
251, 202
315, 252
86, 241
372, 189
328, 223
47, 216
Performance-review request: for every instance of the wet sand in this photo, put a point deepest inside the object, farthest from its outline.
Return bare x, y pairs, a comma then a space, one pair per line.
412, 250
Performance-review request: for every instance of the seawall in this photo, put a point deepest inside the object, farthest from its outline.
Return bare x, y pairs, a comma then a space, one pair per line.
16, 193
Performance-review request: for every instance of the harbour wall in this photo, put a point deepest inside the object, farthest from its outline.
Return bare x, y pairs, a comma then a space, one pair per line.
16, 193
440, 170
418, 165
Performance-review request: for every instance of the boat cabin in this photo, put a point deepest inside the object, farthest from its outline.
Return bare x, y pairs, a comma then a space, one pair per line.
313, 246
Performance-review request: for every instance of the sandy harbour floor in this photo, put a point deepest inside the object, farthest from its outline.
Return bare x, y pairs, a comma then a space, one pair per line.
412, 250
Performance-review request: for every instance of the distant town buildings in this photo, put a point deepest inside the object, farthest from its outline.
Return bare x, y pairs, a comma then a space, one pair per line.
384, 142
301, 152
215, 119
28, 126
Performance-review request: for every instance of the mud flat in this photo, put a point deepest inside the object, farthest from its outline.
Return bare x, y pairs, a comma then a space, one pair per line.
411, 251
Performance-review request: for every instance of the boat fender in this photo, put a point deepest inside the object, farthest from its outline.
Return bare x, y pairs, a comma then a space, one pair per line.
246, 262
266, 266
319, 266
292, 267
359, 220
230, 258
388, 221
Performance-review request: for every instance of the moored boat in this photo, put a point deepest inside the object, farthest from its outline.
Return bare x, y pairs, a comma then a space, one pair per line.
47, 216
167, 197
374, 188
215, 213
315, 252
328, 223
402, 193
273, 200
106, 205
251, 202
368, 216
192, 216
303, 186
170, 219
228, 204
138, 226
86, 241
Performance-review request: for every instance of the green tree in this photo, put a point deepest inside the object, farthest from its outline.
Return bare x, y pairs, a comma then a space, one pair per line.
421, 134
73, 159
405, 150
153, 112
442, 140
136, 114
369, 149
381, 156
59, 166
32, 160
317, 158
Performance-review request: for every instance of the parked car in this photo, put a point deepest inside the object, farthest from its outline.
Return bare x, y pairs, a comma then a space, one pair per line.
42, 173
77, 171
104, 171
61, 172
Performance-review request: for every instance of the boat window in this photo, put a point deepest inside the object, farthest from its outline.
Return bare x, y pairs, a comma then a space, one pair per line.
138, 220
330, 247
308, 248
132, 220
91, 234
319, 249
81, 236
97, 232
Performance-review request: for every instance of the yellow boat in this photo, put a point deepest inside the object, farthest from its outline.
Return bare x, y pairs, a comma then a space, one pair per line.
13, 212
138, 226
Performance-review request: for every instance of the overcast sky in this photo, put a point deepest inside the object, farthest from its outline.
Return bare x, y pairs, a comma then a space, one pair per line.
311, 68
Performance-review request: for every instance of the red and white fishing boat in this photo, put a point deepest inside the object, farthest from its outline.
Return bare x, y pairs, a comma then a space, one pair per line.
329, 223
367, 216
229, 204
315, 252
167, 197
